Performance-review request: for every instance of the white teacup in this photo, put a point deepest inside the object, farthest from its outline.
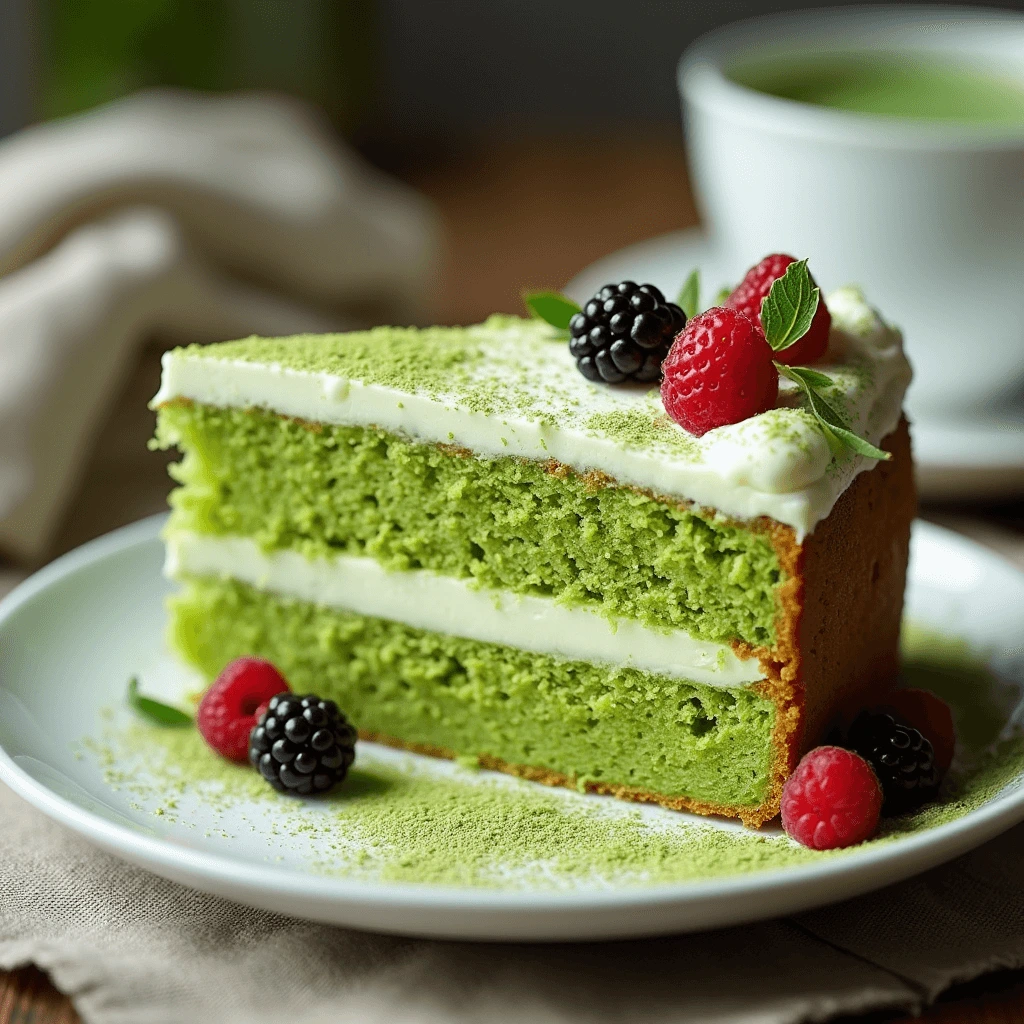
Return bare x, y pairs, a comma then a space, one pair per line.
928, 216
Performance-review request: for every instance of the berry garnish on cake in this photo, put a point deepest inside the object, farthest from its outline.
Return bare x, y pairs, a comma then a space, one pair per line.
301, 745
720, 371
788, 312
624, 333
723, 366
902, 758
931, 716
907, 765
749, 295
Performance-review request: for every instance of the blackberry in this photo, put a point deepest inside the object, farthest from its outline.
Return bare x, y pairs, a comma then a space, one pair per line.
902, 758
302, 745
624, 333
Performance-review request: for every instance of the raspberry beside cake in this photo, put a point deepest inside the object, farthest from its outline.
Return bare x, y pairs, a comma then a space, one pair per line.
476, 551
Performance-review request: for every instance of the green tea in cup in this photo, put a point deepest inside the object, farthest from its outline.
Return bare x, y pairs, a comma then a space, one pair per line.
890, 84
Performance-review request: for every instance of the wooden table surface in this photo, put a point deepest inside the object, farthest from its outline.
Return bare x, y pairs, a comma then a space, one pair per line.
518, 214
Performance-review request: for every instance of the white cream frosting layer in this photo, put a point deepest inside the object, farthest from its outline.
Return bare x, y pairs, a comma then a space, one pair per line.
444, 604
776, 464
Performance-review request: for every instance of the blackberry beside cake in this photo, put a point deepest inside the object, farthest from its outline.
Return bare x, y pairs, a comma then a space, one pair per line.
478, 552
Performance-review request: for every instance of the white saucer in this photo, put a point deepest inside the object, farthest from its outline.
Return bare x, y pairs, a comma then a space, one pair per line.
956, 458
71, 636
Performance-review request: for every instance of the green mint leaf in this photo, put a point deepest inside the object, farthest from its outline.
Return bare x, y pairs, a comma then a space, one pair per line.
689, 295
821, 408
723, 295
813, 377
831, 421
551, 307
859, 445
835, 444
825, 410
789, 308
162, 714
810, 380
795, 373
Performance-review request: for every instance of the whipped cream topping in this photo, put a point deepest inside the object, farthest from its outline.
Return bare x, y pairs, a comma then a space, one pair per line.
443, 604
522, 395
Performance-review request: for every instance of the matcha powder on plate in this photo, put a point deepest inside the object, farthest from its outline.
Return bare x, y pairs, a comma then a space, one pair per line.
398, 818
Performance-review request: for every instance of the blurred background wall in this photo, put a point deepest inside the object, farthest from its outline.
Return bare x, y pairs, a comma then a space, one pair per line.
545, 134
523, 118
463, 66
389, 72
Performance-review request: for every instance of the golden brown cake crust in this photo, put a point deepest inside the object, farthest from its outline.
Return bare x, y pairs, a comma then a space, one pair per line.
838, 629
855, 566
837, 647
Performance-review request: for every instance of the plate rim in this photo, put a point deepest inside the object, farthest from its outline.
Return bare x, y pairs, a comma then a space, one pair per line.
916, 853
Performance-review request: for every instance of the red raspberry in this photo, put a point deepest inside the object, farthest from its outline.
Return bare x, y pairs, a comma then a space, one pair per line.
718, 371
832, 800
229, 708
931, 716
749, 294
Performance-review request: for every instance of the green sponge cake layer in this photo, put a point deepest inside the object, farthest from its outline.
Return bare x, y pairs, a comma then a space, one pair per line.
613, 727
511, 387
507, 523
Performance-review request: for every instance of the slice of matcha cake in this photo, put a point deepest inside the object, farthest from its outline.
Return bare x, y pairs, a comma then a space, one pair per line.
478, 552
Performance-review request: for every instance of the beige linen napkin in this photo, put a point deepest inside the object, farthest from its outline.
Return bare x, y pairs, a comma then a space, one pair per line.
190, 218
130, 948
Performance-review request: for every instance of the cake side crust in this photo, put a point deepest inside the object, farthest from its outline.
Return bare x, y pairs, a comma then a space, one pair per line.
839, 616
848, 616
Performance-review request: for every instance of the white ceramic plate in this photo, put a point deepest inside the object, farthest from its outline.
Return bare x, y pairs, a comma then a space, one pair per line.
72, 635
957, 456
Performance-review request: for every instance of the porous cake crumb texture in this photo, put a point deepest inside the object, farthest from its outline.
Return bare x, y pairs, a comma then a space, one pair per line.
584, 723
507, 523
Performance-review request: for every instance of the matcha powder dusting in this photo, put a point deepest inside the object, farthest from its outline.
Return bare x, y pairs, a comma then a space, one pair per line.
405, 819
398, 819
484, 832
